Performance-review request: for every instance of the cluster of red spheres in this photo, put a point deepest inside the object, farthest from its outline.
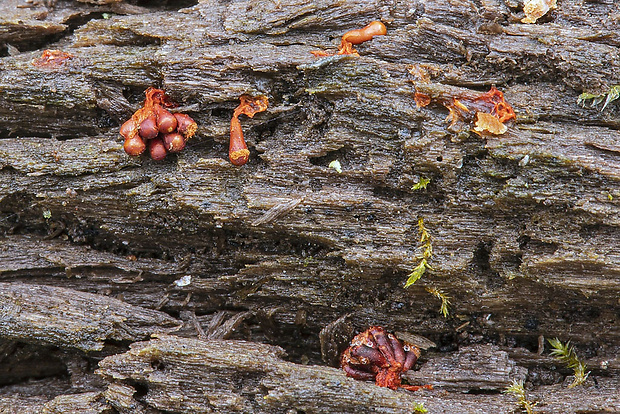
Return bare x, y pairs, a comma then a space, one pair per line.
156, 127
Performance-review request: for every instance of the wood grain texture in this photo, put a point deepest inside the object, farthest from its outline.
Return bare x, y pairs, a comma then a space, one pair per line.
285, 250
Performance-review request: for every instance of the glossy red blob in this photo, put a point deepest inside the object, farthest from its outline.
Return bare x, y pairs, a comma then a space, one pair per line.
166, 122
364, 34
134, 145
186, 125
157, 149
174, 142
148, 128
127, 128
153, 124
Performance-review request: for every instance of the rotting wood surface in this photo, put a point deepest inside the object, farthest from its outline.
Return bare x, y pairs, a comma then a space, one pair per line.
286, 251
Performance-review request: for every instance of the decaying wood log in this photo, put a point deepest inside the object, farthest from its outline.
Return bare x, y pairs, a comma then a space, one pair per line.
471, 369
191, 376
73, 319
87, 403
99, 250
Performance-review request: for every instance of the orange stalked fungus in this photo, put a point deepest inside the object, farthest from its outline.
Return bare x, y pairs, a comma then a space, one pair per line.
238, 152
356, 37
378, 355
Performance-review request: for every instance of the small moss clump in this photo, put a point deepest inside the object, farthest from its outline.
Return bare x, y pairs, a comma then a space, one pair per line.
419, 408
427, 253
566, 354
518, 390
445, 300
421, 184
608, 97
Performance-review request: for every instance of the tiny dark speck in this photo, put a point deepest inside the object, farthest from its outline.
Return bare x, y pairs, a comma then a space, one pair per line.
205, 204
531, 324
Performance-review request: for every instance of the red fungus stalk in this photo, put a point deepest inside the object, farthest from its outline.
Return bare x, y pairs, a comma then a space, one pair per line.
238, 152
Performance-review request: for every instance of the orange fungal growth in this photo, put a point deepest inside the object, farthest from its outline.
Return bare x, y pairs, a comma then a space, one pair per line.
535, 9
148, 127
487, 112
157, 150
155, 127
378, 355
174, 142
166, 122
134, 145
369, 31
52, 59
421, 99
355, 37
186, 125
489, 123
127, 128
501, 109
238, 152
459, 105
250, 106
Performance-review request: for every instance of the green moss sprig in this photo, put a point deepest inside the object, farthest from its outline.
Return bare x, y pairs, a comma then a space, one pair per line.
518, 390
419, 408
444, 309
608, 97
421, 184
566, 353
427, 253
